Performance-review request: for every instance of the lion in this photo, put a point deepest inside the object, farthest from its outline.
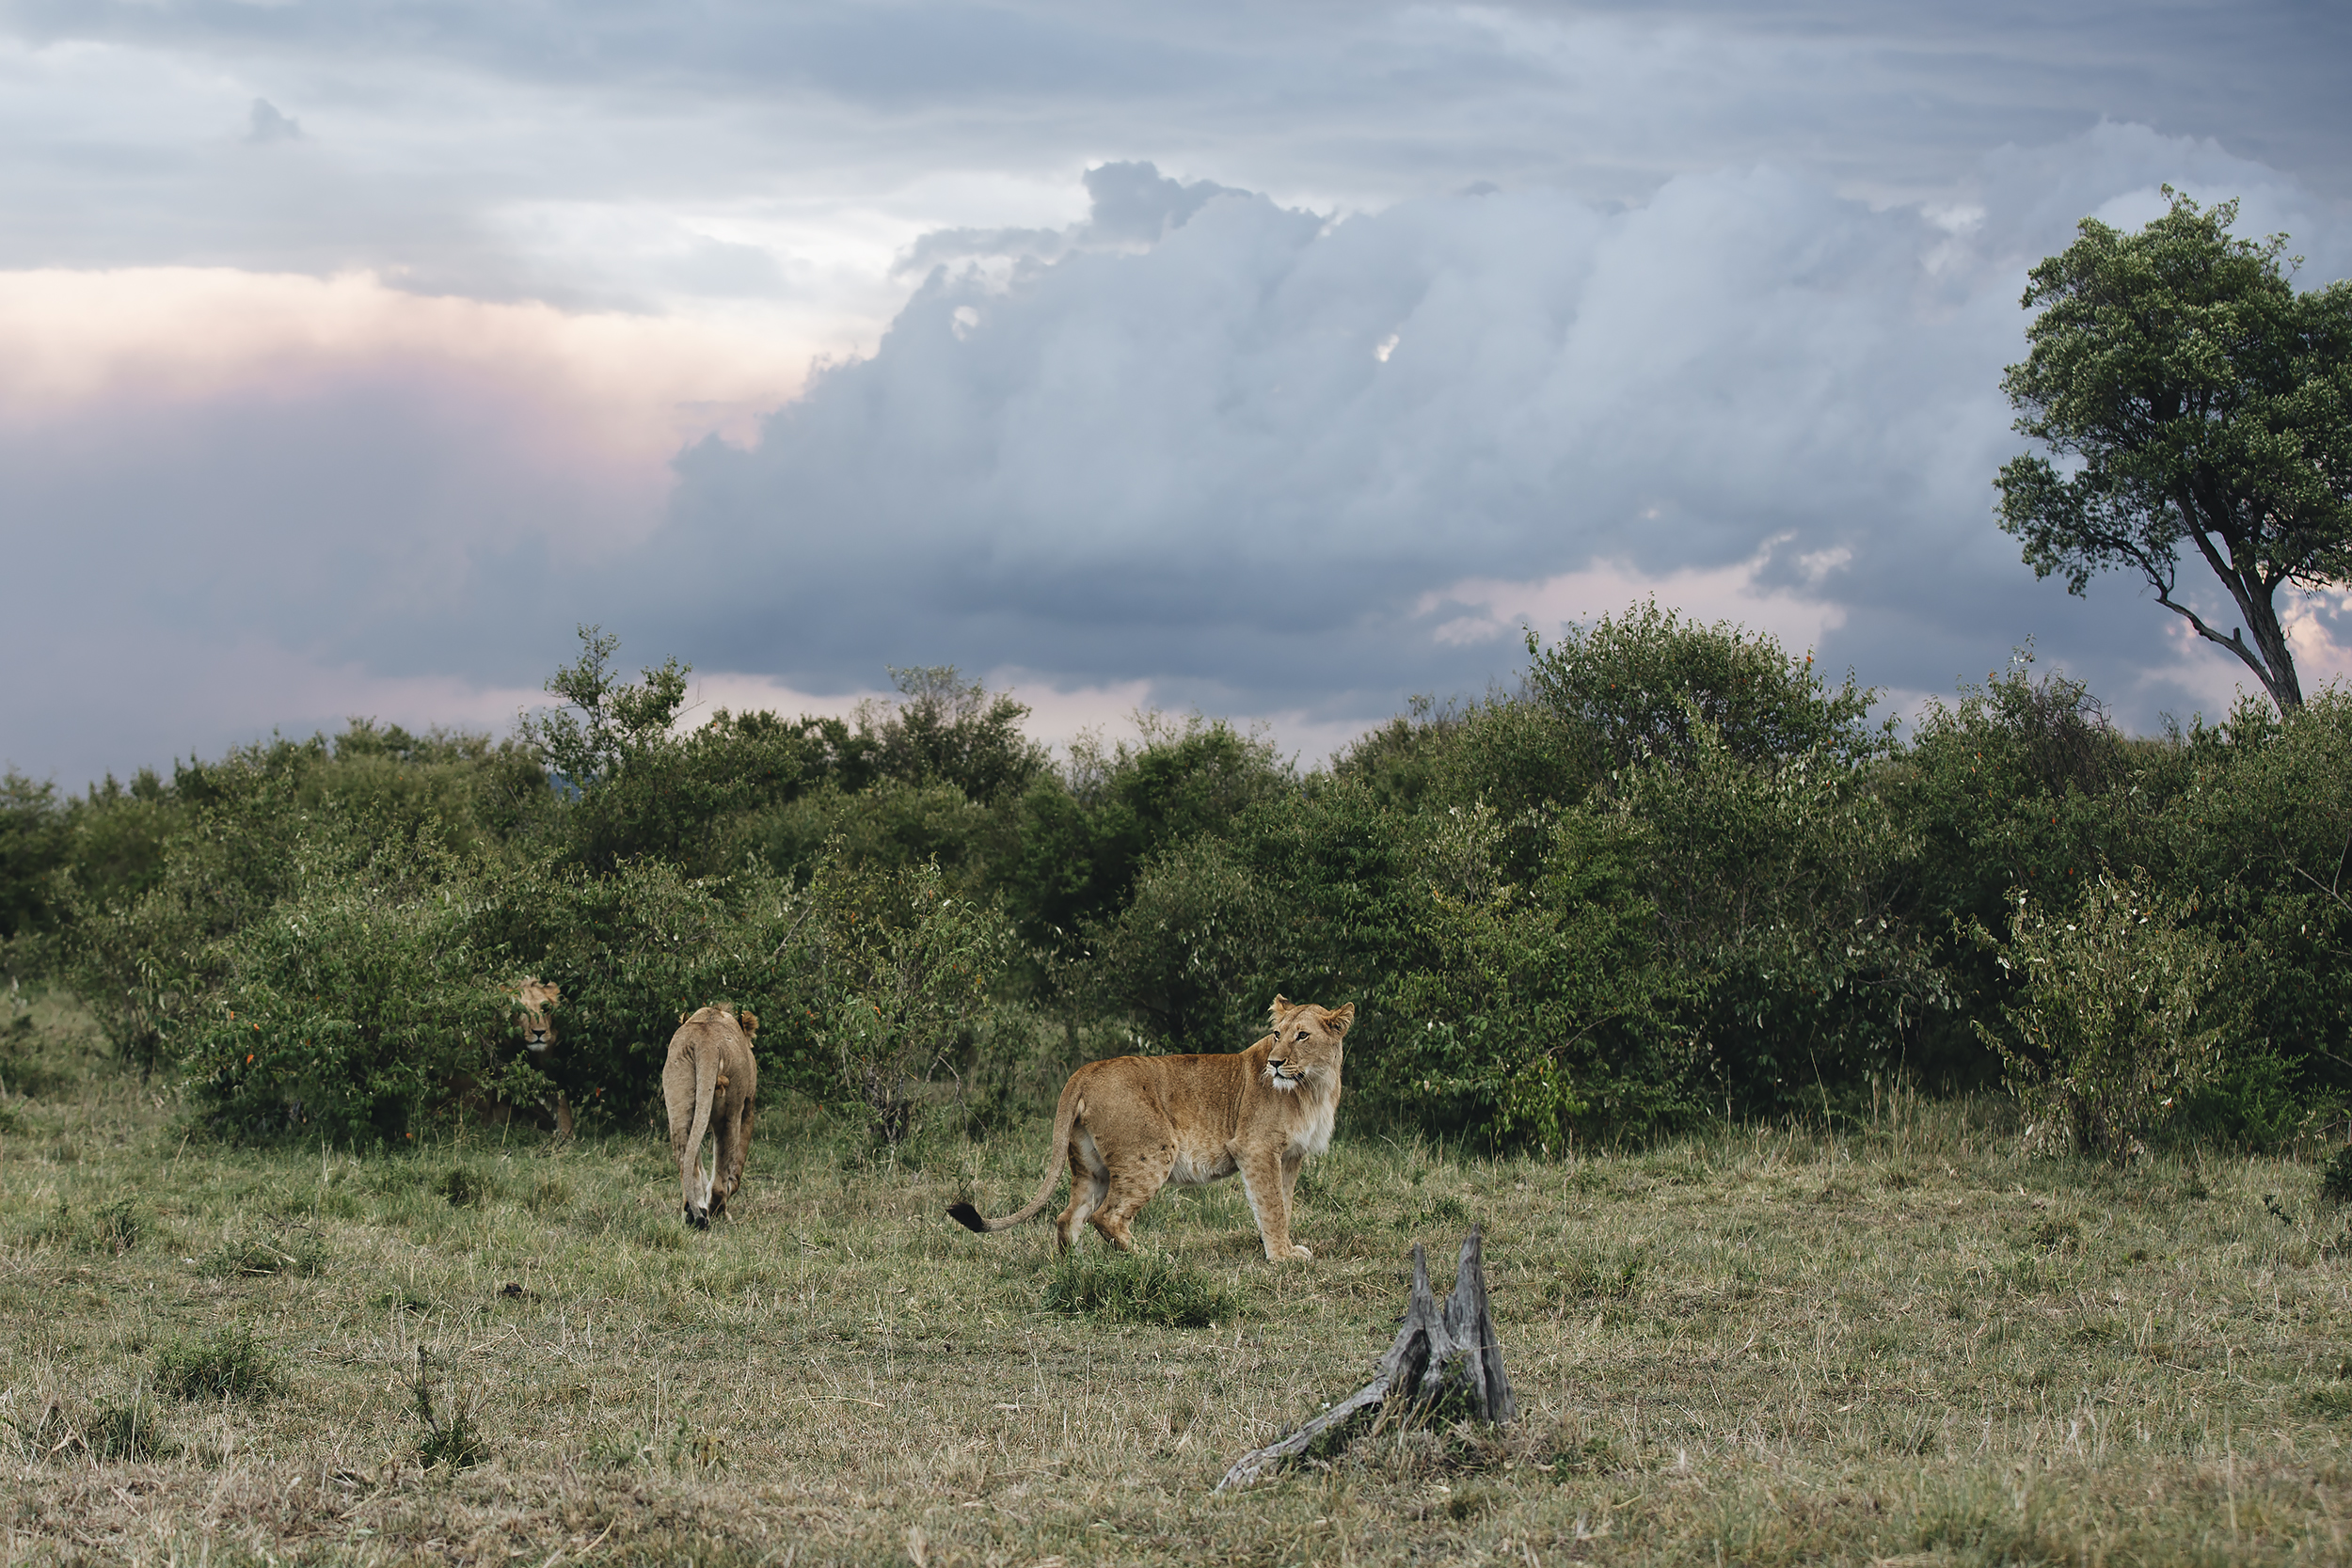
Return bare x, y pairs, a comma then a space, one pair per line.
534, 1015
534, 1019
1130, 1124
708, 1083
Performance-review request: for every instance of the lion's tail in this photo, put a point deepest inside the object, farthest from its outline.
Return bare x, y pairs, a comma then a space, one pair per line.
1065, 1118
705, 1095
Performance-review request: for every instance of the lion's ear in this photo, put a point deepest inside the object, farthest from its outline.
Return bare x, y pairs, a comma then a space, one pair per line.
555, 994
1340, 1018
683, 1017
750, 1021
1282, 1006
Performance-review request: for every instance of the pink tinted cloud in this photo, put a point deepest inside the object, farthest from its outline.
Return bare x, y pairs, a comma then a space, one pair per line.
606, 396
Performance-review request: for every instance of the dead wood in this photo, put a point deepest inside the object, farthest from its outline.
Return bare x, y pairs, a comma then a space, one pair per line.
1446, 1359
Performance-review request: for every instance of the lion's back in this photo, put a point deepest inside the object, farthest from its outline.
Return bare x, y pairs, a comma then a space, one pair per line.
1193, 1098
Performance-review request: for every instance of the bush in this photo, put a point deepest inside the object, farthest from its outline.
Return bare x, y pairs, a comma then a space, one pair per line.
1774, 884
2103, 1043
226, 1364
1646, 685
1520, 1016
1138, 1287
24, 1067
894, 969
632, 952
1188, 956
352, 1006
2335, 1177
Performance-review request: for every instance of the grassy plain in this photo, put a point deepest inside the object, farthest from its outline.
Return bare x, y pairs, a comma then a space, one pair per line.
1909, 1343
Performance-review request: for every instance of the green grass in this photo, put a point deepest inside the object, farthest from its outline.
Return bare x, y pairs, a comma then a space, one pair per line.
226, 1364
1139, 1288
1758, 1345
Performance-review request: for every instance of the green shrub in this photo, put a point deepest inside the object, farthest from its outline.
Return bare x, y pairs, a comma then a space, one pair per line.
351, 1006
635, 950
2335, 1177
1520, 1016
1187, 958
2103, 1043
1646, 685
24, 1069
2251, 1100
893, 968
1138, 1287
228, 1364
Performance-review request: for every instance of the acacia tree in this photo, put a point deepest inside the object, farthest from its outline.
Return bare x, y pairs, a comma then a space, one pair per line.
2204, 401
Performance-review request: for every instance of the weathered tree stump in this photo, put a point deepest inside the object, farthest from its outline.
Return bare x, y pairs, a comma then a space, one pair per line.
1444, 1357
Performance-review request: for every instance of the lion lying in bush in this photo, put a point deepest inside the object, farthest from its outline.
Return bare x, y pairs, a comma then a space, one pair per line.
534, 1019
1131, 1124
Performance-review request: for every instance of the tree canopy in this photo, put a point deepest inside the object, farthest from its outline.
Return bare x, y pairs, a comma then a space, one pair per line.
2196, 398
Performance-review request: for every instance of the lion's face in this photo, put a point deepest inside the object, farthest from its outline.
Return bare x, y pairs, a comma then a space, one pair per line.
1306, 1050
534, 1015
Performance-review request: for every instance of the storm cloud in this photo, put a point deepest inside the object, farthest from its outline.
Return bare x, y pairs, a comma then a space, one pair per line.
1280, 360
1284, 463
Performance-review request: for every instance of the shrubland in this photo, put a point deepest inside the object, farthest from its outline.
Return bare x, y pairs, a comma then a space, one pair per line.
1678, 875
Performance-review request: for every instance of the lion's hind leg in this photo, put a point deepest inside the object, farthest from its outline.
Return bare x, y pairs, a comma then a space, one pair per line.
1130, 1187
1090, 1183
735, 1144
677, 1091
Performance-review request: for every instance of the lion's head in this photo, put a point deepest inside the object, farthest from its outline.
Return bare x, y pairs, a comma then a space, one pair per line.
534, 1015
1306, 1050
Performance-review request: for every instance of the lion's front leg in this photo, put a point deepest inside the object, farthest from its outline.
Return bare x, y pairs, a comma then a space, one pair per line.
1269, 1185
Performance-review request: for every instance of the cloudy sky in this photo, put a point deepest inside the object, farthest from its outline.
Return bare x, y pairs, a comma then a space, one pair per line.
1277, 360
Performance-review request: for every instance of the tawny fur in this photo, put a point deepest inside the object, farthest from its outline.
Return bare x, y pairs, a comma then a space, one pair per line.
534, 1015
534, 1019
708, 1083
1130, 1125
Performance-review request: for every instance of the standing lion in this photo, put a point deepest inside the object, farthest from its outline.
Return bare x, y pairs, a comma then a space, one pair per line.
1131, 1124
707, 1085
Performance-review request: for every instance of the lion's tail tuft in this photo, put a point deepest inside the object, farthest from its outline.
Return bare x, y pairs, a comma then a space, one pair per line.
1066, 1117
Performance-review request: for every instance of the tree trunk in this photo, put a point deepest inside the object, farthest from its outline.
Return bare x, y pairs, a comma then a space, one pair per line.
1446, 1359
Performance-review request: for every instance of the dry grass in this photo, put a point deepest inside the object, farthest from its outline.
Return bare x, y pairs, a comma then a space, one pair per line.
1757, 1346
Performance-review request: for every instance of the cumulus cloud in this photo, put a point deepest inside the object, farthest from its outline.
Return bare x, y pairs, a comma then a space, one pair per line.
1274, 460
1533, 309
268, 123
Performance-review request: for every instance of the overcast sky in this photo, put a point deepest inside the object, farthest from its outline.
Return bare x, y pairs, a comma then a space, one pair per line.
1280, 360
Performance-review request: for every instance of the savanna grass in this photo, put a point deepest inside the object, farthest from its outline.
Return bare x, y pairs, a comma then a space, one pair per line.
1138, 1287
228, 1363
1906, 1343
